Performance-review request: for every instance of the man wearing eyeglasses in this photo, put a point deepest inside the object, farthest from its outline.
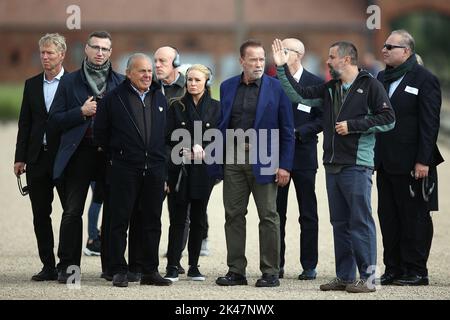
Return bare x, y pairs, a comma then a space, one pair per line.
79, 161
37, 145
307, 123
406, 153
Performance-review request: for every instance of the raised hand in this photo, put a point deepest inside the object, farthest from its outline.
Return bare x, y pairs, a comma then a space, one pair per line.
280, 56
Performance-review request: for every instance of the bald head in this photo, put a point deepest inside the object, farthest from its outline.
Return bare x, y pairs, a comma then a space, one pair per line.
296, 51
294, 44
164, 58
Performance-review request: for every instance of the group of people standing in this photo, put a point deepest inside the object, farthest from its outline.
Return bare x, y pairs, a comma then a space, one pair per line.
95, 124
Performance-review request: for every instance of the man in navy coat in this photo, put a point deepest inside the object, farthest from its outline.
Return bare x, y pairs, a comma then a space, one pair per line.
130, 126
406, 160
256, 162
308, 123
78, 160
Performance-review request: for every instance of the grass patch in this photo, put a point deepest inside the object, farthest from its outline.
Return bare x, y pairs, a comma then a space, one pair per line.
10, 101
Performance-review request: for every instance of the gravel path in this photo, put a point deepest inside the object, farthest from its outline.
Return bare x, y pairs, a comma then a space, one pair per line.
19, 259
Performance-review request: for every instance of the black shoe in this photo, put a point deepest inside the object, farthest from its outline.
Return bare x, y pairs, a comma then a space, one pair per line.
120, 280
194, 274
134, 276
181, 269
309, 274
171, 273
388, 278
107, 276
155, 279
281, 273
232, 279
413, 280
45, 275
63, 276
268, 280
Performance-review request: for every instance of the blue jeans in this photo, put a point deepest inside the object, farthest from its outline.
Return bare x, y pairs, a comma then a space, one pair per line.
349, 194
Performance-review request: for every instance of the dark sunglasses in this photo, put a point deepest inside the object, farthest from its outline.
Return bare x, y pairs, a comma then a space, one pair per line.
392, 46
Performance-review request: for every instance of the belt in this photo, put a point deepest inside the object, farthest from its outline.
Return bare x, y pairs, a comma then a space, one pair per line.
44, 147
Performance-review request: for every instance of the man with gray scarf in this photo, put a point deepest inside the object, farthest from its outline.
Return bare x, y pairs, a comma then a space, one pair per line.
79, 161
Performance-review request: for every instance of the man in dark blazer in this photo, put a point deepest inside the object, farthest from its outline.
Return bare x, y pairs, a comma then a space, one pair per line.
308, 123
37, 145
406, 160
130, 126
79, 161
255, 104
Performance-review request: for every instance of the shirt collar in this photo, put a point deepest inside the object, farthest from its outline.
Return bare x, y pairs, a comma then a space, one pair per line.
142, 95
174, 82
58, 76
257, 82
298, 74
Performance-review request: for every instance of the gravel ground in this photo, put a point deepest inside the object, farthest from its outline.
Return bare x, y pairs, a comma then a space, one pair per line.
19, 259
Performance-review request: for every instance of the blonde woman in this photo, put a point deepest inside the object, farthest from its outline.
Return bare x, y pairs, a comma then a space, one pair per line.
189, 183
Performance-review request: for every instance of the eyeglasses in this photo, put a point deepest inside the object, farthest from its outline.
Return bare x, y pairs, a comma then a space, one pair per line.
98, 48
392, 46
286, 51
23, 190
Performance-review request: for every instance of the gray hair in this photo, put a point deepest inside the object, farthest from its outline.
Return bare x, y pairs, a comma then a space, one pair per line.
135, 56
54, 38
407, 39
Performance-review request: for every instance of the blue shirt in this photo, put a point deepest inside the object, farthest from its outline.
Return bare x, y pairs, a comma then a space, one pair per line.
141, 95
49, 88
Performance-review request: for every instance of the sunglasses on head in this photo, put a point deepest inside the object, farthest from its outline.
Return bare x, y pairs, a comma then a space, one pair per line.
392, 46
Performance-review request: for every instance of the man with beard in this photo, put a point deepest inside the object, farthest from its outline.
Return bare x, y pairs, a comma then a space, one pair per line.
355, 107
79, 161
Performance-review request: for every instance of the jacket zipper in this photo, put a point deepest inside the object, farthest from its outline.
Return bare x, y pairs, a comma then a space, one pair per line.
337, 116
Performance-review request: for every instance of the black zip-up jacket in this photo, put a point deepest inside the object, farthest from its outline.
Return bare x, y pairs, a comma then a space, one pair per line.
366, 109
116, 129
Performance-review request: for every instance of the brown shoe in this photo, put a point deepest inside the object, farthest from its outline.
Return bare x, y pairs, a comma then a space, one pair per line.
360, 286
334, 285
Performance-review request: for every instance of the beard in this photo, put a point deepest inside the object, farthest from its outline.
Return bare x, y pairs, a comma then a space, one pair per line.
335, 74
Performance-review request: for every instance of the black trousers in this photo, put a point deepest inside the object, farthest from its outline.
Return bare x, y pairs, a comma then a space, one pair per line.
136, 198
304, 182
197, 228
406, 226
83, 167
40, 183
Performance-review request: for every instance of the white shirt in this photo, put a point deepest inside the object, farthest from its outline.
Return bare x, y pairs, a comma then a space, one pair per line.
394, 85
298, 74
49, 88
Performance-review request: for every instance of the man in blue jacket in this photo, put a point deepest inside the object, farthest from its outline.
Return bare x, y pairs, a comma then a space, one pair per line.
131, 127
255, 104
79, 161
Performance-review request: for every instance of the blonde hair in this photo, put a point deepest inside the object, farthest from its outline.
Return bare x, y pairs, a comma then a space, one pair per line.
54, 38
197, 67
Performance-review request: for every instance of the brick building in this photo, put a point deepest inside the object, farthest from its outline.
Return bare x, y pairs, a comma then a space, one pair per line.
206, 31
